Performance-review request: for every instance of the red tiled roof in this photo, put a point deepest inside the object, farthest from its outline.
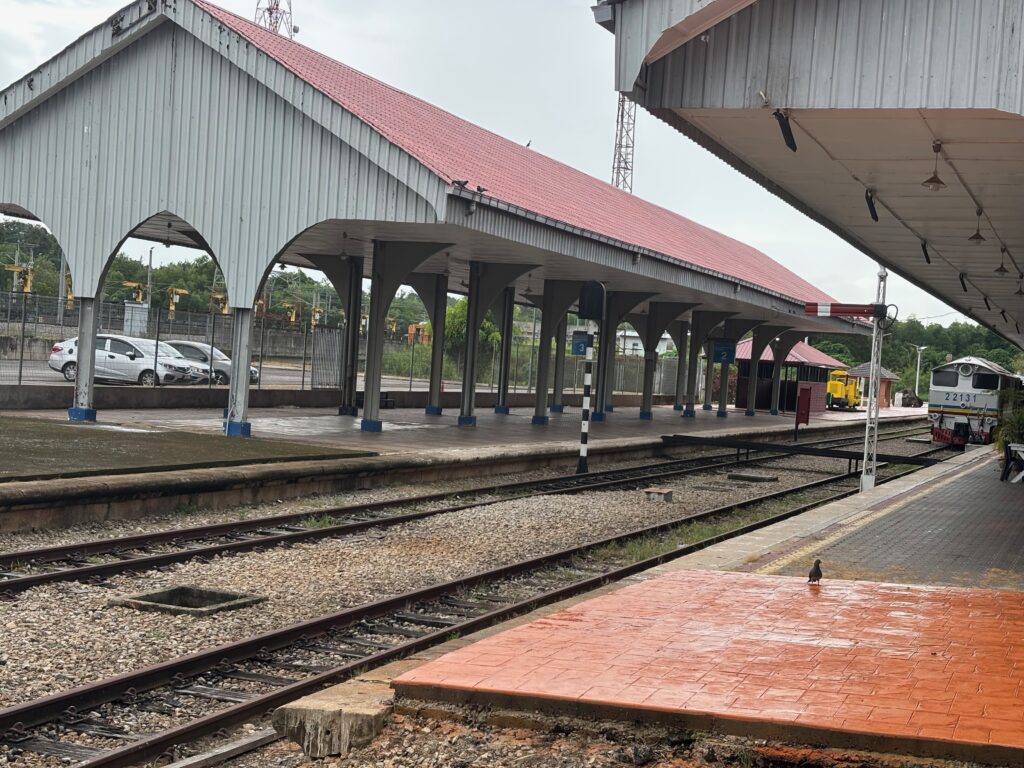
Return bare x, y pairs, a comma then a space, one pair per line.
456, 149
802, 353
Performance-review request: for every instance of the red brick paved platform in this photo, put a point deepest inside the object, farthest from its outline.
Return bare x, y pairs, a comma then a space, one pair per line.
932, 670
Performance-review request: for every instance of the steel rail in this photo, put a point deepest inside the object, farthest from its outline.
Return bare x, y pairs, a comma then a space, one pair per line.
51, 708
180, 535
571, 484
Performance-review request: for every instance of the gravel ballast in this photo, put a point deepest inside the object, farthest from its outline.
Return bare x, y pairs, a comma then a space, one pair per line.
61, 635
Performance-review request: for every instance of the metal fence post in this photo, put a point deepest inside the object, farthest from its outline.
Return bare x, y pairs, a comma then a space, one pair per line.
156, 352
305, 336
412, 361
263, 330
213, 336
21, 346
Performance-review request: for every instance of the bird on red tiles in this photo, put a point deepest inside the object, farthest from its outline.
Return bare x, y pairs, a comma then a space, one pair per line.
814, 577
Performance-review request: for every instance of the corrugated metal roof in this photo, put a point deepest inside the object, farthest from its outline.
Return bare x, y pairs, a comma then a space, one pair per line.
863, 371
801, 354
456, 149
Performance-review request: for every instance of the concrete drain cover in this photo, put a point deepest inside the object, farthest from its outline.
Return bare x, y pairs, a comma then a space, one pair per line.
190, 601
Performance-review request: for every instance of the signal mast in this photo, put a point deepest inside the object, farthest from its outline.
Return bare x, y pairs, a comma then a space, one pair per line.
276, 15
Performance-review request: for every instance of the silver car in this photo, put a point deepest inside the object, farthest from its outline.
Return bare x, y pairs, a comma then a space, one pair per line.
128, 360
200, 353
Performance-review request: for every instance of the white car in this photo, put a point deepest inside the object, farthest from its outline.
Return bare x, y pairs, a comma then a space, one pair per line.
199, 353
128, 360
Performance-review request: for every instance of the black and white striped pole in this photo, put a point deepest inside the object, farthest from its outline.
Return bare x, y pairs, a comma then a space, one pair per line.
588, 366
591, 307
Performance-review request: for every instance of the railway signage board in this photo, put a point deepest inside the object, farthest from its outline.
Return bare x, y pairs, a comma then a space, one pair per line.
723, 351
579, 343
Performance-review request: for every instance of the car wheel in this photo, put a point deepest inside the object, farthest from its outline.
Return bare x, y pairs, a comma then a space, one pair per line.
219, 377
147, 378
70, 371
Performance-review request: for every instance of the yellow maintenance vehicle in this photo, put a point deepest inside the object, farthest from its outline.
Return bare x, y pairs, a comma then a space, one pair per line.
842, 392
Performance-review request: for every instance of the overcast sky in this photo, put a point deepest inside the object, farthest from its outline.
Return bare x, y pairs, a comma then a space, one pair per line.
537, 70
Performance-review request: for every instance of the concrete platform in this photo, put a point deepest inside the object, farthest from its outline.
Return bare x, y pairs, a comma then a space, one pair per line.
412, 431
920, 668
933, 671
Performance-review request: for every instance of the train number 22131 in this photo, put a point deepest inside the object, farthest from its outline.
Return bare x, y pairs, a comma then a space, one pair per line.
961, 397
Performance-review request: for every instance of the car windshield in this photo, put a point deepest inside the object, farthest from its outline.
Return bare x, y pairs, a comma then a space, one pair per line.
147, 348
218, 355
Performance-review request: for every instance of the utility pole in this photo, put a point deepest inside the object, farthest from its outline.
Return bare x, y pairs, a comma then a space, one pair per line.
867, 478
62, 290
149, 280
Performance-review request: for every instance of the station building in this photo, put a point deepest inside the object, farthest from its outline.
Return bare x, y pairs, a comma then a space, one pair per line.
155, 125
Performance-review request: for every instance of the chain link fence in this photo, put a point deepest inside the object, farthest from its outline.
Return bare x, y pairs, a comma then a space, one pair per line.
174, 348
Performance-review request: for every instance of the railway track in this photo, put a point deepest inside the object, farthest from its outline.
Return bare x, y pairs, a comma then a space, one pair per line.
96, 724
94, 561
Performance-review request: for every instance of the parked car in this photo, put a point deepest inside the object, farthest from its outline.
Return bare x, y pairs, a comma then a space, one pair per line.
128, 360
200, 353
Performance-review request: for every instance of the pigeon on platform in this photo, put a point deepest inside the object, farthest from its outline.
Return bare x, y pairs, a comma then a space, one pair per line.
814, 577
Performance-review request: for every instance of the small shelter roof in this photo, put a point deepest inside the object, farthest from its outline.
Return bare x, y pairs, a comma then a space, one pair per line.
801, 354
863, 371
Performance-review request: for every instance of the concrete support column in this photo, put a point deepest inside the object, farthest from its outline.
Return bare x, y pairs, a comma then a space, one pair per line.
762, 338
559, 383
780, 351
350, 346
237, 422
617, 305
437, 320
393, 264
651, 327
701, 326
709, 375
81, 408
558, 296
506, 314
723, 394
680, 332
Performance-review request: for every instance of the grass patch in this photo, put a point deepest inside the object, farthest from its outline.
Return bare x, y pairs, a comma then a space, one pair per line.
319, 520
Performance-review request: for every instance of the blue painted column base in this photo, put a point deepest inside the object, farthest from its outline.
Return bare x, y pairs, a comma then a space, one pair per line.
348, 410
540, 421
238, 429
677, 407
689, 413
646, 415
501, 409
558, 408
707, 407
749, 413
467, 421
597, 416
723, 414
610, 408
371, 425
433, 410
81, 414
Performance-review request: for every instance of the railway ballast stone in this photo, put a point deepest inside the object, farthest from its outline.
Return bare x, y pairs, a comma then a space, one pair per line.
335, 719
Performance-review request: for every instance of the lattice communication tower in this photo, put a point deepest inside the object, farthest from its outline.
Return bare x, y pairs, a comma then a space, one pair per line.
625, 128
276, 15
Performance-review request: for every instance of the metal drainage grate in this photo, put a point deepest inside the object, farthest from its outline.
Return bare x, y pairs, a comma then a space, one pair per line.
190, 601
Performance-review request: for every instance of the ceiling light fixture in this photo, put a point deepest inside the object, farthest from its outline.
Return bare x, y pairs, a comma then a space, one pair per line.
787, 131
963, 282
933, 182
1002, 270
924, 250
869, 198
977, 238
1020, 288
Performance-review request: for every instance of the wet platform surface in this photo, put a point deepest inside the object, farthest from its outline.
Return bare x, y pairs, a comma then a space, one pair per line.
412, 431
968, 532
932, 670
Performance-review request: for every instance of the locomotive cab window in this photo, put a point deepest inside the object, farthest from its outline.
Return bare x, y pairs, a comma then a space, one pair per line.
945, 379
985, 381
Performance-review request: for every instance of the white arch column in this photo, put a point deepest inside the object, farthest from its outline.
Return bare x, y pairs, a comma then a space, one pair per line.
680, 332
732, 331
701, 326
558, 296
433, 292
618, 304
763, 336
651, 327
780, 351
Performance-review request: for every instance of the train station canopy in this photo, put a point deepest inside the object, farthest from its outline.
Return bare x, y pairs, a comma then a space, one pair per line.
185, 124
907, 134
